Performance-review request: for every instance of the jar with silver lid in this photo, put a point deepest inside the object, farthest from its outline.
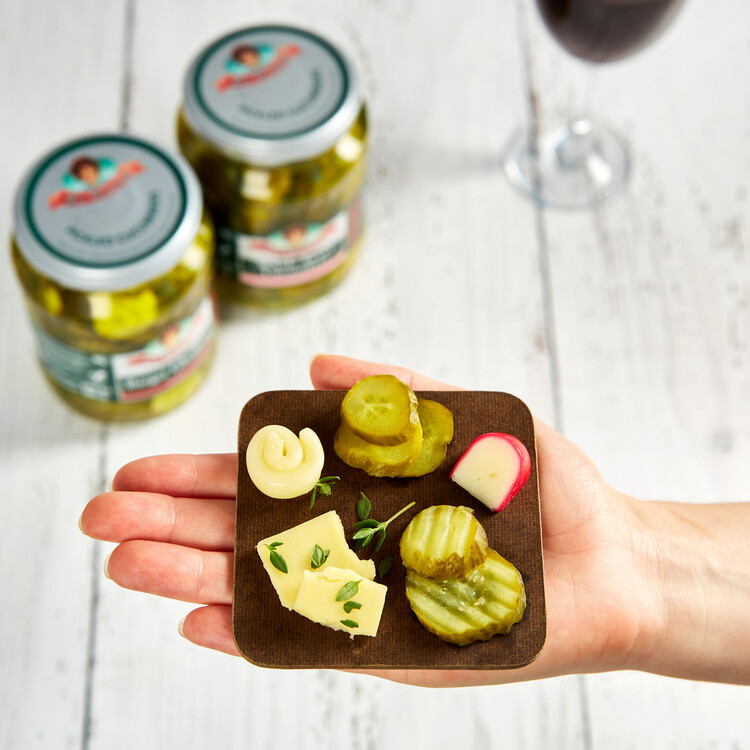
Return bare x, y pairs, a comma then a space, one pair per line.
114, 252
275, 126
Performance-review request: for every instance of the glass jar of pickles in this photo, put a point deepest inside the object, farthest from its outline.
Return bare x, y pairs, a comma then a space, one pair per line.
115, 252
275, 126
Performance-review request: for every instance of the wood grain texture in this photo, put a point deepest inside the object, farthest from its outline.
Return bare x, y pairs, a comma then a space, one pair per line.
49, 457
652, 316
637, 313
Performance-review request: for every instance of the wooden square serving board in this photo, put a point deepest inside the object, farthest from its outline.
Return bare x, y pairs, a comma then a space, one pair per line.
269, 635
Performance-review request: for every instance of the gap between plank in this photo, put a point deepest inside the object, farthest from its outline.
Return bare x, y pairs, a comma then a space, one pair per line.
532, 101
126, 85
548, 304
96, 573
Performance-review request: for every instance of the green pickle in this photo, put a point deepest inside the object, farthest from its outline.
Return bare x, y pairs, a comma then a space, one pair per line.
89, 331
488, 601
381, 410
376, 460
444, 541
281, 163
437, 433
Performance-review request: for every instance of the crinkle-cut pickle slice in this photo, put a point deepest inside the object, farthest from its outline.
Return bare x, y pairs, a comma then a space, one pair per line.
490, 600
381, 410
376, 460
437, 432
444, 541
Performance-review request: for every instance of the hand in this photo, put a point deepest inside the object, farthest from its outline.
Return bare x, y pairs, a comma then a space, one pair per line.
173, 517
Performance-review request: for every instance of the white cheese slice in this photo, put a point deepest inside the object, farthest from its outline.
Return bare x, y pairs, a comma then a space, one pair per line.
296, 547
316, 600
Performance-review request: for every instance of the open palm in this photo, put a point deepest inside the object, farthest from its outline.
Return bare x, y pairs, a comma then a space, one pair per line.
173, 517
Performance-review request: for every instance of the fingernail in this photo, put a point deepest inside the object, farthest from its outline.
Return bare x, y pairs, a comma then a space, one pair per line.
80, 523
313, 358
180, 625
111, 486
106, 566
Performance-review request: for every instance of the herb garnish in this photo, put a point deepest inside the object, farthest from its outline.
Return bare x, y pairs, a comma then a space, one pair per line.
277, 560
318, 556
367, 528
347, 591
323, 485
350, 605
384, 568
350, 623
364, 506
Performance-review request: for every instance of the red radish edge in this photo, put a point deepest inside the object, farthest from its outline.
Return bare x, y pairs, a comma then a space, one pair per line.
523, 454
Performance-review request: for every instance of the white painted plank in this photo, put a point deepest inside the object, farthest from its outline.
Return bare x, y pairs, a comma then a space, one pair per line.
652, 318
59, 77
450, 257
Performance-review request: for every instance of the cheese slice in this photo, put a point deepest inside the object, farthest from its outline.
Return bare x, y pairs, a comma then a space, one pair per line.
296, 548
316, 600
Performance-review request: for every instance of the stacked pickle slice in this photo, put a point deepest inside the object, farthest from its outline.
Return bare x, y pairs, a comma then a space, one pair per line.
387, 432
459, 588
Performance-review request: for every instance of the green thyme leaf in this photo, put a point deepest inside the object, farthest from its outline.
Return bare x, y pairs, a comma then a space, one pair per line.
385, 566
350, 623
318, 556
322, 486
368, 523
278, 561
364, 506
273, 545
347, 591
350, 605
363, 533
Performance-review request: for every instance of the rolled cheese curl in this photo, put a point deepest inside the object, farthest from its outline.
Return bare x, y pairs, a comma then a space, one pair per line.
282, 465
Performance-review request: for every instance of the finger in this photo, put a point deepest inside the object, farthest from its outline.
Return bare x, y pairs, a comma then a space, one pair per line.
175, 572
192, 522
180, 475
210, 627
331, 372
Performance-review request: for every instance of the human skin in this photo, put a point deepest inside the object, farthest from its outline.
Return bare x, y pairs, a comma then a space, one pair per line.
652, 586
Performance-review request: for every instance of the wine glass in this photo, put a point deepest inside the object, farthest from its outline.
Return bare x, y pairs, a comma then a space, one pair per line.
571, 160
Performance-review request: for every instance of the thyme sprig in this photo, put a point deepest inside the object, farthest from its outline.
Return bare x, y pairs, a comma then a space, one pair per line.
369, 527
322, 486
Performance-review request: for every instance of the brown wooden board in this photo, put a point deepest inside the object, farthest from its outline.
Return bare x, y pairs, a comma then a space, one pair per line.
269, 635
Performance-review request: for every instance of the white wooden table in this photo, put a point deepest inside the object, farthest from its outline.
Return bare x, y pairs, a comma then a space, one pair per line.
628, 328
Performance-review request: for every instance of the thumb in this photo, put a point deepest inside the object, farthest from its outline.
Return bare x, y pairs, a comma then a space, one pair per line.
331, 372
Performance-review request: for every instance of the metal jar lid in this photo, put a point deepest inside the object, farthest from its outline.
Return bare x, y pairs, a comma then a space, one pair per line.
272, 95
107, 212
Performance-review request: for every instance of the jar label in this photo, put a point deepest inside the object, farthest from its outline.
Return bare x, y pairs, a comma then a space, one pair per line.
139, 375
297, 254
269, 82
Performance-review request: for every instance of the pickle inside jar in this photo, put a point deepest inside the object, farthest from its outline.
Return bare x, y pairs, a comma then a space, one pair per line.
382, 410
444, 541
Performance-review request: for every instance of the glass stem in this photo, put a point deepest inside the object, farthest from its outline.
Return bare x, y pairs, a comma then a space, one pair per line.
574, 140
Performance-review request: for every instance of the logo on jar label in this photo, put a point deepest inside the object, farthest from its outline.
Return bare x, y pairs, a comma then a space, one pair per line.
251, 63
89, 179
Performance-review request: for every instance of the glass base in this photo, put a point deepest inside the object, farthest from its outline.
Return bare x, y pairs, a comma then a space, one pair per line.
568, 162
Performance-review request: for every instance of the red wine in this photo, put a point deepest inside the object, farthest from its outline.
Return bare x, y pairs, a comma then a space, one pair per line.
606, 30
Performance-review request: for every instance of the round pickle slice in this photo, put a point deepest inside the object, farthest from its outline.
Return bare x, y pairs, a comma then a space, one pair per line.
444, 541
490, 600
381, 410
376, 460
437, 432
